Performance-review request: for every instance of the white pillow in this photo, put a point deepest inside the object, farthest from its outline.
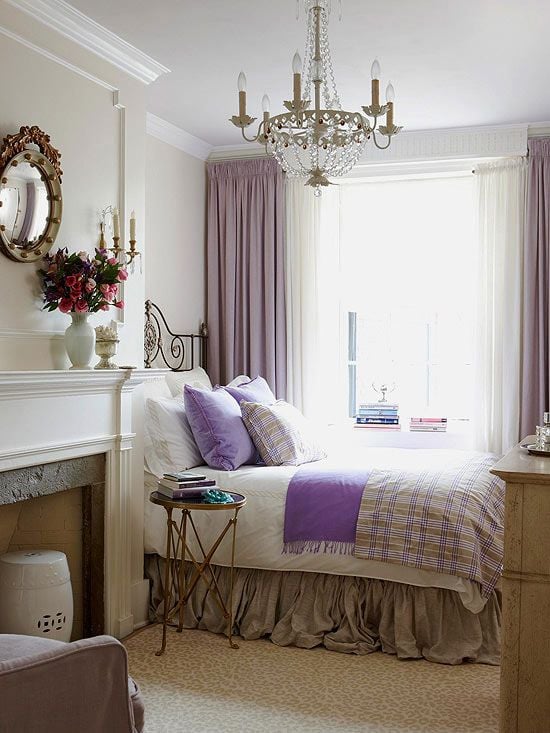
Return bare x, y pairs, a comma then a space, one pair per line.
177, 380
282, 435
241, 379
172, 446
156, 389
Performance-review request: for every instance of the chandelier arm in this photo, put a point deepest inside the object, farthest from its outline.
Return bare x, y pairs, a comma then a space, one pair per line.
381, 147
256, 138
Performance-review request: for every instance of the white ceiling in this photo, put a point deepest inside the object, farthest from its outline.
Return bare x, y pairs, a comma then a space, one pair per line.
453, 63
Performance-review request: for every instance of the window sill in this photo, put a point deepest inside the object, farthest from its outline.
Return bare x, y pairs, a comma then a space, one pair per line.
459, 438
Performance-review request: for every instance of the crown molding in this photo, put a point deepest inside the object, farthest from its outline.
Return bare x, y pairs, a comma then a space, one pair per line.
56, 59
234, 152
539, 129
71, 23
178, 138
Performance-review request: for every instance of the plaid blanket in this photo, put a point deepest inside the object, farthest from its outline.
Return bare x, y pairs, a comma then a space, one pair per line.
446, 521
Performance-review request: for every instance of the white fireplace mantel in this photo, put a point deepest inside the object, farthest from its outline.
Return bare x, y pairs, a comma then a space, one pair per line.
54, 415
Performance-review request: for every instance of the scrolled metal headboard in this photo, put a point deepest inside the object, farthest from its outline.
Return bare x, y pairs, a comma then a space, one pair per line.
177, 350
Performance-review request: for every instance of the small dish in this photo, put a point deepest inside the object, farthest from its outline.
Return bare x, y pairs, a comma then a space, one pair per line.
534, 450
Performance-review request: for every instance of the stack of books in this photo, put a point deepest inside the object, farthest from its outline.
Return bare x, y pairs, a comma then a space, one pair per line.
428, 424
184, 485
378, 416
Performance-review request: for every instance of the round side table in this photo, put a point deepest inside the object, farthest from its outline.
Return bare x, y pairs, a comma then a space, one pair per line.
178, 551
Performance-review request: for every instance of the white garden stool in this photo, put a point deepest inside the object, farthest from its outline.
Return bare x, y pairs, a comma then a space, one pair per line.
36, 596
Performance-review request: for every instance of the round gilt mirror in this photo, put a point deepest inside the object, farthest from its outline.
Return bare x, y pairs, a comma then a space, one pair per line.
30, 195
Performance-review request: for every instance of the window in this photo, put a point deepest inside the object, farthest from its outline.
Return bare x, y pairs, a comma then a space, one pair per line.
408, 269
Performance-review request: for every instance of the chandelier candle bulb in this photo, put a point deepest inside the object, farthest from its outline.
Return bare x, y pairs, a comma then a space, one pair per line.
265, 106
375, 83
133, 226
390, 96
389, 116
375, 92
241, 84
297, 75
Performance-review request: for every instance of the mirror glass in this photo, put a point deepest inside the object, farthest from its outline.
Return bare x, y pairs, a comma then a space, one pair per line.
25, 208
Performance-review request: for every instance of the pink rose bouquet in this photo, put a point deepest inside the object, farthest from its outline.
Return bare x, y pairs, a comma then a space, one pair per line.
76, 283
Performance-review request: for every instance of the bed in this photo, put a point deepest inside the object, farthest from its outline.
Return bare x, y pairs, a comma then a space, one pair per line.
331, 596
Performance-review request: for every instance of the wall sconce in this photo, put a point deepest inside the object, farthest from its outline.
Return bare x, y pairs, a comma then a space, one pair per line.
117, 249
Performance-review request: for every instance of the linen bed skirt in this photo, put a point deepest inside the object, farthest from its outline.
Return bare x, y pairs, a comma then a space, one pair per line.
343, 613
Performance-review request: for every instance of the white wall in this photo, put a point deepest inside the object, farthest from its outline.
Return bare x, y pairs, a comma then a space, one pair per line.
94, 137
175, 195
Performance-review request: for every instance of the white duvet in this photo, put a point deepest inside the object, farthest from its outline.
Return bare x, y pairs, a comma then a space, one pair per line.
261, 522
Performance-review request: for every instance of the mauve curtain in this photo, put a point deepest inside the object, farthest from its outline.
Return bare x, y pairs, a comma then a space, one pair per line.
245, 271
536, 278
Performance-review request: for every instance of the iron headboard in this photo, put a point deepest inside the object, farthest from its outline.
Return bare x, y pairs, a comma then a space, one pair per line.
173, 348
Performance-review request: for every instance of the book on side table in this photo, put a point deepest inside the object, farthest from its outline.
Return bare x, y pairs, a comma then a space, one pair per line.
184, 485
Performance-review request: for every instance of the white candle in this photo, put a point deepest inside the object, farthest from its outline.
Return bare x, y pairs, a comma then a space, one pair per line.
133, 225
116, 223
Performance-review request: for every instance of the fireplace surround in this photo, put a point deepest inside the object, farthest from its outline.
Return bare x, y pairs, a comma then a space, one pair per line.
53, 416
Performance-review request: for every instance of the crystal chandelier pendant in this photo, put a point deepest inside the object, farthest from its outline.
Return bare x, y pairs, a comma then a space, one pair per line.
315, 138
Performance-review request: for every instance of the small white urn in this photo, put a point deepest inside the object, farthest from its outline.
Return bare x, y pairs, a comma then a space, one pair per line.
80, 341
105, 347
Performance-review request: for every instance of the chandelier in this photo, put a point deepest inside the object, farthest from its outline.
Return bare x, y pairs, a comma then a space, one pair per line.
321, 140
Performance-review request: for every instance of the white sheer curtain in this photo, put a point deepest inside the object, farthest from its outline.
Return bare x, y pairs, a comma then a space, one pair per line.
501, 209
314, 333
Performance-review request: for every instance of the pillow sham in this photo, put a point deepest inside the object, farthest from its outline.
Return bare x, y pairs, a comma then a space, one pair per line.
171, 445
177, 380
281, 434
255, 390
238, 380
218, 428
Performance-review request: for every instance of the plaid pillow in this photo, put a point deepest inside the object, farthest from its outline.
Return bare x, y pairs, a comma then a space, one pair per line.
281, 434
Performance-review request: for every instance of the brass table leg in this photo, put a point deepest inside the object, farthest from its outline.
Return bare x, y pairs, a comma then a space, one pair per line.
232, 644
182, 580
167, 582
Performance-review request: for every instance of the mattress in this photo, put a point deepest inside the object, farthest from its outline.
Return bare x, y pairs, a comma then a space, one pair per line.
261, 523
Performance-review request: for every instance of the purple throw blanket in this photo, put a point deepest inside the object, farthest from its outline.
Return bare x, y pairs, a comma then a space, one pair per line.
321, 509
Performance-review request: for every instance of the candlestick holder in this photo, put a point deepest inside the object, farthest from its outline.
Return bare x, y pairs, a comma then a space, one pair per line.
129, 254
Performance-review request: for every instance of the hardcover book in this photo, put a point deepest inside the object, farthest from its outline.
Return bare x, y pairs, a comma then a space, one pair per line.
183, 476
184, 485
184, 493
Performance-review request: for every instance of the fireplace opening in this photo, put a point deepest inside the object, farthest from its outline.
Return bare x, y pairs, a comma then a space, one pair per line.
61, 506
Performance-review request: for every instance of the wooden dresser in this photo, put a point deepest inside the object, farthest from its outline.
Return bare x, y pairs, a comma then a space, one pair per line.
525, 670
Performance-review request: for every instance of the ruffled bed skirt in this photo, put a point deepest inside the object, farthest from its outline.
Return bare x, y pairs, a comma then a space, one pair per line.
344, 614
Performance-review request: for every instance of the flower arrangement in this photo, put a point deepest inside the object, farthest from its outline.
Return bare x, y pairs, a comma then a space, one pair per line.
77, 283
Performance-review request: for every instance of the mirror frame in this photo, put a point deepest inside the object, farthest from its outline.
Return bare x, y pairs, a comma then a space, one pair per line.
46, 159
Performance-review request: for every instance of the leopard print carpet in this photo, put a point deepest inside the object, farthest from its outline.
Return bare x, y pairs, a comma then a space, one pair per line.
200, 685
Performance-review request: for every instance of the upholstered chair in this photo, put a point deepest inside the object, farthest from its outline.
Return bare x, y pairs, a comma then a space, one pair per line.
55, 687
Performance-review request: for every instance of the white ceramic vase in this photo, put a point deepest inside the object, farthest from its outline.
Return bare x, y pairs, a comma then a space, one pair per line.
80, 341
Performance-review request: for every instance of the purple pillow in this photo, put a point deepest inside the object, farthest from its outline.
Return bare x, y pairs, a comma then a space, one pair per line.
218, 428
257, 390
